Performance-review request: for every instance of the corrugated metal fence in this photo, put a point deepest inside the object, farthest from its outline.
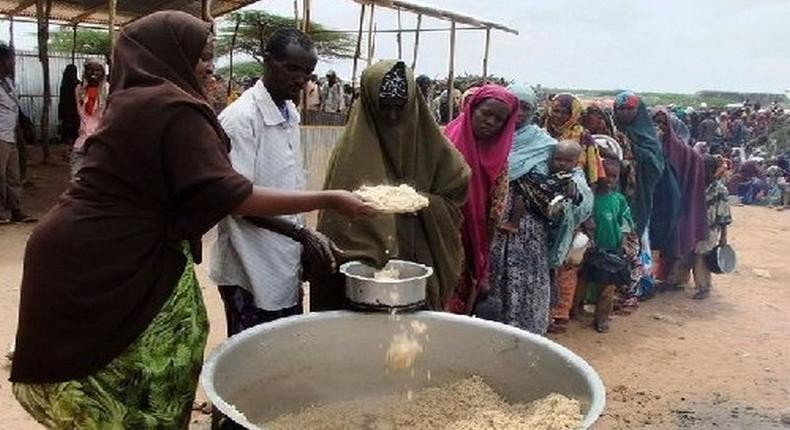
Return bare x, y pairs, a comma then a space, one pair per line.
30, 84
318, 141
317, 144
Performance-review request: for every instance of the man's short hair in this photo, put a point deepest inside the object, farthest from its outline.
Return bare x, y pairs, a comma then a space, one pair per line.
283, 37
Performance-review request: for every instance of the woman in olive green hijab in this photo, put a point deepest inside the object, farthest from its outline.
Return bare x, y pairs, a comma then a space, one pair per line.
392, 139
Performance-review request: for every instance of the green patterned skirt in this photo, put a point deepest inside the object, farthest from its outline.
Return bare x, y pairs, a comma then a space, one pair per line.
151, 385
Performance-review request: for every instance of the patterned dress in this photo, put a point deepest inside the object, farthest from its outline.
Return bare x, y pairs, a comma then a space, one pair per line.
150, 386
519, 283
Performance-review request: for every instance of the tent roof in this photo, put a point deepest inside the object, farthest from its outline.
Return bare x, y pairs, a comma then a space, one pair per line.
439, 13
97, 12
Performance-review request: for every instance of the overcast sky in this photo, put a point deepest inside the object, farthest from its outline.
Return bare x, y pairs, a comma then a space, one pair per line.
645, 45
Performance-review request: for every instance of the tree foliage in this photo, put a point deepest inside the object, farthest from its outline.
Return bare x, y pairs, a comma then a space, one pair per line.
89, 42
241, 71
711, 98
256, 27
776, 139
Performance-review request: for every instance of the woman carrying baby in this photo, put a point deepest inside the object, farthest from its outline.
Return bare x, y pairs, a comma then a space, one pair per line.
537, 174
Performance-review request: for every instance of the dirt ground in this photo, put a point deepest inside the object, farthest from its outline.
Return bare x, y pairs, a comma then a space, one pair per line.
674, 364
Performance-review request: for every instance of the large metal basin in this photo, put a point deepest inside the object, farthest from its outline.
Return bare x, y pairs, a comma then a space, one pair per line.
324, 357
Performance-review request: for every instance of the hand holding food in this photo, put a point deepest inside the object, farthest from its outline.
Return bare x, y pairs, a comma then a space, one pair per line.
402, 199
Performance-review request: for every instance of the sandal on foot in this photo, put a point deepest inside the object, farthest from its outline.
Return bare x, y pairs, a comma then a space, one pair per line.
701, 295
556, 329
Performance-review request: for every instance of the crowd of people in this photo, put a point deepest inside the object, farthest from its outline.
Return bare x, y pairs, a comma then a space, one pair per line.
536, 210
755, 175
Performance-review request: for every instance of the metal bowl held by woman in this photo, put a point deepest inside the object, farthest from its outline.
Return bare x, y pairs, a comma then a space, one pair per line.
327, 357
721, 259
400, 285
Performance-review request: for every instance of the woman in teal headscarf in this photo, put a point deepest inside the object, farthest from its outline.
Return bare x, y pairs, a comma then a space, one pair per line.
657, 201
516, 296
634, 120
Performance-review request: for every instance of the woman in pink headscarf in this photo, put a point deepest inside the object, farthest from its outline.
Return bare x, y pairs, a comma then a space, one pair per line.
483, 133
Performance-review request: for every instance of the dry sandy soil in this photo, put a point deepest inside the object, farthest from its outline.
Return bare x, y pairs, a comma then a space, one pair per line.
675, 364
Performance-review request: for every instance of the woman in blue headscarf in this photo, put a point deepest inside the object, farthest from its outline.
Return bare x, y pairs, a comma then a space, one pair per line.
516, 296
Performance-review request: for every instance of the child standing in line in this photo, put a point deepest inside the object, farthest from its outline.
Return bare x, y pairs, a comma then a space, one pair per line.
613, 222
719, 217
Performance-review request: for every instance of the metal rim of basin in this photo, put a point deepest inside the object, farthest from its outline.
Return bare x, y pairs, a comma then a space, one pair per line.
428, 272
597, 402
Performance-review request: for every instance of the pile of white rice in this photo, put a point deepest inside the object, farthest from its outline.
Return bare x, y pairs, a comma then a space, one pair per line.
387, 274
401, 199
469, 404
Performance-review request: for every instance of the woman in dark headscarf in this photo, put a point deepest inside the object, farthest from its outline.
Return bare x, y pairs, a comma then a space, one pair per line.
67, 106
483, 133
692, 224
392, 139
112, 325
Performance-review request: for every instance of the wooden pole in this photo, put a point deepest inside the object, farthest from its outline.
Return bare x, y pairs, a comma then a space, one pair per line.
416, 42
43, 8
296, 13
400, 38
450, 73
232, 48
206, 10
403, 30
485, 55
370, 34
306, 16
373, 47
358, 52
11, 31
111, 24
74, 44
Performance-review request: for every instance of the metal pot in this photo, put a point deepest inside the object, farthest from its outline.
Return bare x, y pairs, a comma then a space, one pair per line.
322, 357
407, 292
721, 259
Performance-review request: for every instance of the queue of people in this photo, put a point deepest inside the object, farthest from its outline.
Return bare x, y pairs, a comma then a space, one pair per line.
531, 216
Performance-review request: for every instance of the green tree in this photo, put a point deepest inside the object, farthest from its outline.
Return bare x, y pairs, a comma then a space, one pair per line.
256, 27
243, 70
89, 42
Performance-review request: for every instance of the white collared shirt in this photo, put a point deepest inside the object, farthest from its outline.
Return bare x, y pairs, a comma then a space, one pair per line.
9, 112
265, 148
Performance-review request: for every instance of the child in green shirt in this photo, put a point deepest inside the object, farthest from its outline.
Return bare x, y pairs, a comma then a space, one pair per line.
613, 222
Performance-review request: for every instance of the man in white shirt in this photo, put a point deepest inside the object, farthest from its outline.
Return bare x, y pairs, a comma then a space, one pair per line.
312, 94
257, 263
10, 179
332, 94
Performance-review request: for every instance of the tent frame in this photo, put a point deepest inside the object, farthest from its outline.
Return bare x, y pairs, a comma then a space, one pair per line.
472, 23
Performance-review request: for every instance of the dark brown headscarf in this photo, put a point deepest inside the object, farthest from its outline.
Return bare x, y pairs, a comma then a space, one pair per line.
103, 261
